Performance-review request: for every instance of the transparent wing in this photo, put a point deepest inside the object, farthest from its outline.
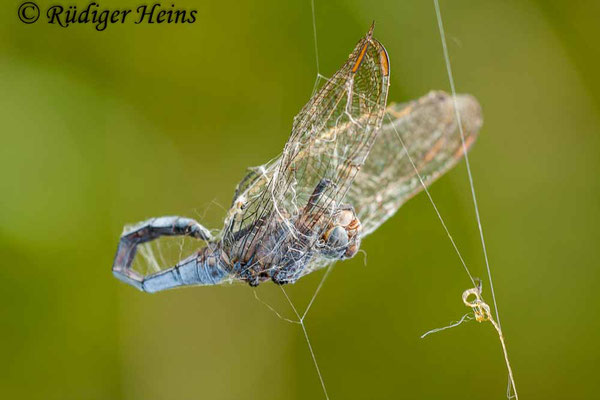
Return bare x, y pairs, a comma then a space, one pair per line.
429, 130
331, 138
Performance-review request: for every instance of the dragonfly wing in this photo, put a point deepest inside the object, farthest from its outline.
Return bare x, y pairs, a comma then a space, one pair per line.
430, 133
330, 140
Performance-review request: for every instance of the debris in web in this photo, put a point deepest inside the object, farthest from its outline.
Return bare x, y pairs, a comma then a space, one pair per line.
481, 310
466, 317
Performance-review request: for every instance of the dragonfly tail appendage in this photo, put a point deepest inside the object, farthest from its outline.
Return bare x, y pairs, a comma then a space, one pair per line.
205, 267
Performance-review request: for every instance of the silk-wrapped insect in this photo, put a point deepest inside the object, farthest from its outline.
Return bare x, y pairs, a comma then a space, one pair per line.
348, 165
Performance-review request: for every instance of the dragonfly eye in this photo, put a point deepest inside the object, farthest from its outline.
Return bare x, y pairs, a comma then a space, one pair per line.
337, 237
351, 250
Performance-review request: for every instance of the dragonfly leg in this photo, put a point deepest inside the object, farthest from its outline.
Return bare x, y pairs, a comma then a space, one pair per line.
147, 231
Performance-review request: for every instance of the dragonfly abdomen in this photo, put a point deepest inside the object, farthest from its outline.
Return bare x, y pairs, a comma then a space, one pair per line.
205, 267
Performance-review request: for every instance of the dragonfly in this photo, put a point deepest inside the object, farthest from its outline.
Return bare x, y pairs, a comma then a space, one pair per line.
349, 164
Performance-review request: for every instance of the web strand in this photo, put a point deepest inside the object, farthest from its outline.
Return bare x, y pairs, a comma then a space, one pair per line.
300, 321
312, 353
316, 292
426, 190
466, 155
495, 323
314, 25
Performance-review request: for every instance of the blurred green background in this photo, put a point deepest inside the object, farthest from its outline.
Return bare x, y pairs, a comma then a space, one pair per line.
100, 129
